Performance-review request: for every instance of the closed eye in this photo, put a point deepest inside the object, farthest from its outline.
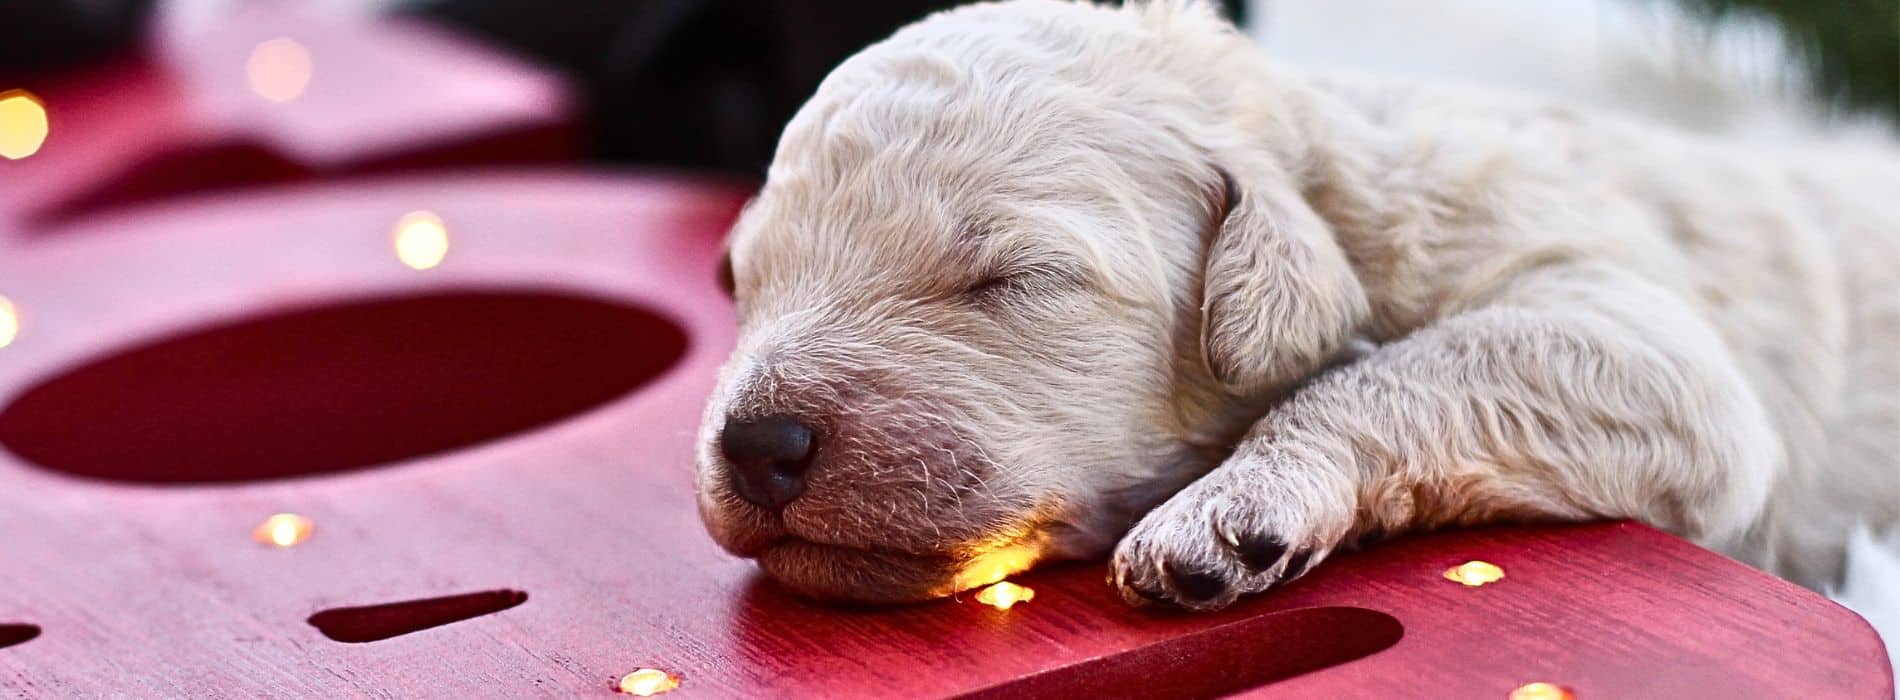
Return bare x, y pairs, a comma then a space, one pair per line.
1020, 281
990, 285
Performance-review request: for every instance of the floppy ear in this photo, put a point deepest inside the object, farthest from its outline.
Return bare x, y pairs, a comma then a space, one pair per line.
1278, 297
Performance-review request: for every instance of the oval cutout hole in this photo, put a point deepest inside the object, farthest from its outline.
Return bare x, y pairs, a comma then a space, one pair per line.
338, 387
1220, 661
372, 623
11, 634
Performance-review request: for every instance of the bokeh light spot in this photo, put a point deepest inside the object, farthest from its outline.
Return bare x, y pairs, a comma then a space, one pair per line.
422, 240
23, 124
279, 69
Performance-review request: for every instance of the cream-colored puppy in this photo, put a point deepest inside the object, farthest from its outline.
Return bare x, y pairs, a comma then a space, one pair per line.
1028, 275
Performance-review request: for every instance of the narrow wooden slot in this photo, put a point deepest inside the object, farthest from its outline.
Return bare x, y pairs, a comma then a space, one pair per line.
1220, 661
372, 623
15, 634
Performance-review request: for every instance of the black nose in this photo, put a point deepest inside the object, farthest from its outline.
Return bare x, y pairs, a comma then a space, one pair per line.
769, 457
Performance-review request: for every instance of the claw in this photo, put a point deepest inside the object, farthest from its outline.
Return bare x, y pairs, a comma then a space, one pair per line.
1295, 566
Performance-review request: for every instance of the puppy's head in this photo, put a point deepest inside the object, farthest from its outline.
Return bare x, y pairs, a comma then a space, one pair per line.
1017, 274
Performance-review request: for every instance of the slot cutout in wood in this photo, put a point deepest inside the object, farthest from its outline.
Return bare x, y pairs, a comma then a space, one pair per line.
349, 385
16, 634
372, 623
1219, 661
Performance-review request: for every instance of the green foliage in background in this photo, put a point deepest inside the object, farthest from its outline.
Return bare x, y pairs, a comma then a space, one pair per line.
1853, 46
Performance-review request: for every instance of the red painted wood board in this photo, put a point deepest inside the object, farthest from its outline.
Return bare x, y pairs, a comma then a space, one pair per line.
183, 115
153, 589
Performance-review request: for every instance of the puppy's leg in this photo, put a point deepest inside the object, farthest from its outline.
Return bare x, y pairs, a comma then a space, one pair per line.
1573, 392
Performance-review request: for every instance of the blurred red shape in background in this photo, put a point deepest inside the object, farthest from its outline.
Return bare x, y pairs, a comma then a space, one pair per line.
272, 96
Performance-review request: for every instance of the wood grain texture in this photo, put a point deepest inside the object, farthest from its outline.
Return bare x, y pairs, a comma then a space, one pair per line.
147, 590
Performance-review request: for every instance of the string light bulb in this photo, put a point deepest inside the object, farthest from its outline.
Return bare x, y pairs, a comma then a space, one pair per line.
9, 322
1541, 691
1004, 595
648, 682
284, 530
1475, 573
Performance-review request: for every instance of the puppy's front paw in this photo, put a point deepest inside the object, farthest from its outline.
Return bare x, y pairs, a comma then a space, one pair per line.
1254, 522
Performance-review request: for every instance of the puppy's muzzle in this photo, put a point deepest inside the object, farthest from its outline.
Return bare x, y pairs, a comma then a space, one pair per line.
769, 458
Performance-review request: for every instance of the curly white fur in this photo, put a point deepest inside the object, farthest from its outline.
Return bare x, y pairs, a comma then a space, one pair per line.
1031, 268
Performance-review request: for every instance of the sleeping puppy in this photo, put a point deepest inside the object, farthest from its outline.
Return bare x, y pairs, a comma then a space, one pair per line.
1037, 280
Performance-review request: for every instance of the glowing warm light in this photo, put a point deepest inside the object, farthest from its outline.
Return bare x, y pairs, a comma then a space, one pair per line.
1005, 595
284, 530
1475, 573
996, 565
648, 682
1541, 691
9, 322
279, 69
23, 125
422, 240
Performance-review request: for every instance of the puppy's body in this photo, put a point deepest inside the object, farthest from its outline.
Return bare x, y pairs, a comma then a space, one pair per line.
1446, 200
1338, 307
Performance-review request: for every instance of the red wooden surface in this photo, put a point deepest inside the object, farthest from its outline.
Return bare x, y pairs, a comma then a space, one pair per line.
182, 115
145, 589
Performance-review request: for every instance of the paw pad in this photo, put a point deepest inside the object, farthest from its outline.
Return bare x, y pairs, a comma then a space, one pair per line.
1259, 551
1196, 585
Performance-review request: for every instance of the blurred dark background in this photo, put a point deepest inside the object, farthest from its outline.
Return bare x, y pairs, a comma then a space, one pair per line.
708, 83
728, 73
704, 84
